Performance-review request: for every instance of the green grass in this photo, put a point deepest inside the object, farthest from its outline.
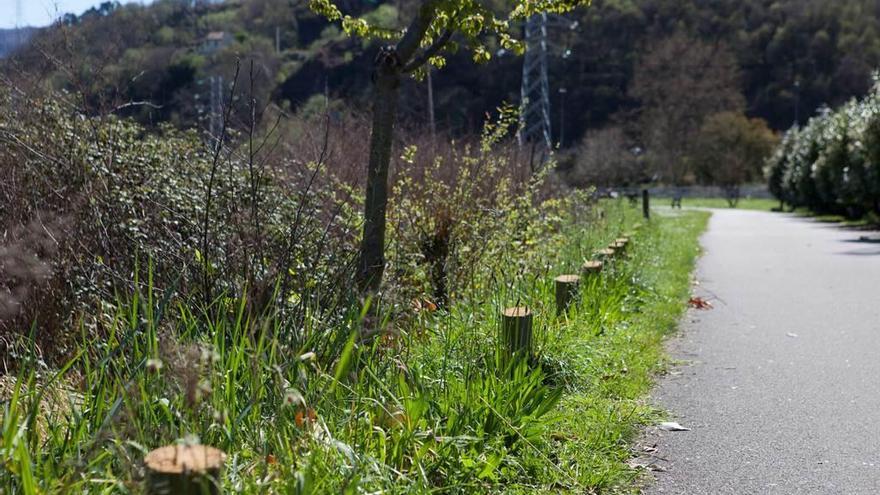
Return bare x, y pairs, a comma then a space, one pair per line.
744, 203
616, 369
428, 407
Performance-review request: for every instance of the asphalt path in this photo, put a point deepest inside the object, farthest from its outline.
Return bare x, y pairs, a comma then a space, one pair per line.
780, 381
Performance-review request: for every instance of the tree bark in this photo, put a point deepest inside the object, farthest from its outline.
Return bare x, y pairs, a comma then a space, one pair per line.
391, 64
385, 96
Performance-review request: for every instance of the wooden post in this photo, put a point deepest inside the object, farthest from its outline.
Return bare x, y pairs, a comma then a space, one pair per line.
567, 288
591, 268
605, 254
184, 470
646, 204
516, 331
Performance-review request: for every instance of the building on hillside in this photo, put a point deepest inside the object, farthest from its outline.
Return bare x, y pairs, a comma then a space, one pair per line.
214, 41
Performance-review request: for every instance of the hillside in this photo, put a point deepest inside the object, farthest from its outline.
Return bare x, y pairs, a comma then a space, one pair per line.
793, 56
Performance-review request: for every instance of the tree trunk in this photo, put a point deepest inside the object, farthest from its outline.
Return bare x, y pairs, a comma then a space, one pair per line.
385, 96
390, 65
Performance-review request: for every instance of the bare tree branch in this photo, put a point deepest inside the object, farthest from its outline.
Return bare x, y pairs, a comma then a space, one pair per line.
137, 104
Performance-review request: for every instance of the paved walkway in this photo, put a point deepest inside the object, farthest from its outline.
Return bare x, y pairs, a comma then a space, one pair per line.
780, 382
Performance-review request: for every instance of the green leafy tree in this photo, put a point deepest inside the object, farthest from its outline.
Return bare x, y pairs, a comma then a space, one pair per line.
731, 150
680, 82
436, 26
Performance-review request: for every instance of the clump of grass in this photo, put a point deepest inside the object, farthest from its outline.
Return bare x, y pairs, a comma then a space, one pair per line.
430, 407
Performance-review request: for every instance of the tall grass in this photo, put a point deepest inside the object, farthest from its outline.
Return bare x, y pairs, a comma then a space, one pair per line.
427, 407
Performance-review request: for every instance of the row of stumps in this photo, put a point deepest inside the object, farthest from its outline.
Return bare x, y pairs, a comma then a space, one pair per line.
196, 469
516, 322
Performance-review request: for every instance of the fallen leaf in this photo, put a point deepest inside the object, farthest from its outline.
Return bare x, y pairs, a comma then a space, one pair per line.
699, 303
672, 426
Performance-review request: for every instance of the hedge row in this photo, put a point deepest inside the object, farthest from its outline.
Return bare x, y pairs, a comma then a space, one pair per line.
832, 164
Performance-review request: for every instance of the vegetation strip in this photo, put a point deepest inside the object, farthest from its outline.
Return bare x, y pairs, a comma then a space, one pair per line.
433, 409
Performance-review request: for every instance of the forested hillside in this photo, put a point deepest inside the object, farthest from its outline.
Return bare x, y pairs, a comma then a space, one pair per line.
791, 57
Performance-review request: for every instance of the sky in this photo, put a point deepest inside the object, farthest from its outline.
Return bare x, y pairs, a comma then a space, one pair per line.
43, 12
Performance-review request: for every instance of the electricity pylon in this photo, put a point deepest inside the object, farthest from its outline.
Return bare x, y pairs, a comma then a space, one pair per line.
535, 131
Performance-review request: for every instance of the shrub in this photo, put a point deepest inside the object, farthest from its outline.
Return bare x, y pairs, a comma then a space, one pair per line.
831, 164
97, 199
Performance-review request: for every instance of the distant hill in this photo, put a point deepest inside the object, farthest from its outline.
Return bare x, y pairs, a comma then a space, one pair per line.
794, 55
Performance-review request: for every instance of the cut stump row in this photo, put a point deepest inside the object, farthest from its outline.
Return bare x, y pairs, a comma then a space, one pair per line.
517, 322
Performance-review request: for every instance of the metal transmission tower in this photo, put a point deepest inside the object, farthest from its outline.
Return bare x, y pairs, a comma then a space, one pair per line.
534, 130
209, 105
216, 107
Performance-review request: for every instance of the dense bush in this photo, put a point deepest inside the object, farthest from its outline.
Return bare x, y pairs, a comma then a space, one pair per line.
271, 216
94, 201
181, 291
832, 164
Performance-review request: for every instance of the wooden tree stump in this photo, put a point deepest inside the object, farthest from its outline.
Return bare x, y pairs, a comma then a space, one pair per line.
605, 254
184, 470
567, 289
516, 331
591, 268
620, 245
